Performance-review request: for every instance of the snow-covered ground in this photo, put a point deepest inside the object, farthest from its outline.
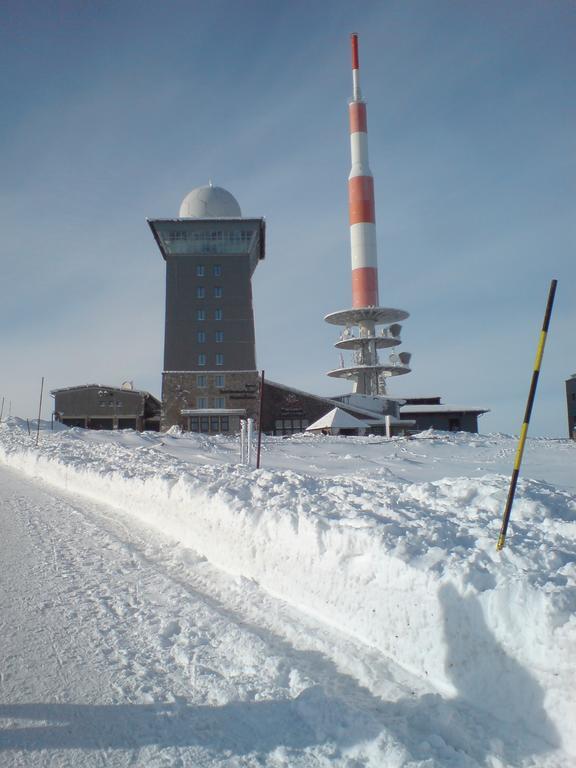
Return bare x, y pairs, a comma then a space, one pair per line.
344, 605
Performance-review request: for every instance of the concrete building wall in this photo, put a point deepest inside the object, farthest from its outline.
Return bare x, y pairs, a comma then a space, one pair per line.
571, 405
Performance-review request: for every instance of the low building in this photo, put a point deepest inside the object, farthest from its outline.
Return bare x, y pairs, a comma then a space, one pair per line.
95, 406
571, 405
287, 411
430, 413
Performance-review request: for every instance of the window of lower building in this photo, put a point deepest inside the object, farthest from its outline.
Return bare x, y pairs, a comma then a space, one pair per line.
200, 270
219, 380
200, 314
201, 337
217, 292
202, 359
217, 314
209, 424
126, 423
202, 402
201, 380
219, 359
219, 337
219, 402
290, 426
200, 292
217, 270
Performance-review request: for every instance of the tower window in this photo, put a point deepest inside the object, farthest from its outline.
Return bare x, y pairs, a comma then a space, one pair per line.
219, 337
217, 292
200, 291
201, 337
200, 270
219, 359
217, 314
201, 380
217, 270
202, 359
200, 314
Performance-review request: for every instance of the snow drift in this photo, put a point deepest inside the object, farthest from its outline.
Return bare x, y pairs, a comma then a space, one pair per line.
384, 540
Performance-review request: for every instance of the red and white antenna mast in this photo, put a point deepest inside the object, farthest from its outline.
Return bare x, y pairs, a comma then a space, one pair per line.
367, 371
361, 198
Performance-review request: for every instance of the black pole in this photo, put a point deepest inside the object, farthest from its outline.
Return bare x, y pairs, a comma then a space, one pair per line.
39, 411
260, 422
28, 425
2, 410
528, 413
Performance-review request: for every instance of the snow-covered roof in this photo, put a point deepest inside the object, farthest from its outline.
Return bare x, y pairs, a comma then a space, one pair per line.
124, 390
337, 419
441, 409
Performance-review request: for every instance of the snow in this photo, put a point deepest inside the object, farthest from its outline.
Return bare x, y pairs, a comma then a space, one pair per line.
374, 559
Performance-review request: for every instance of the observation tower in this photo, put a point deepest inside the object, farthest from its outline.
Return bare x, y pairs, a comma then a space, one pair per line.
209, 381
368, 327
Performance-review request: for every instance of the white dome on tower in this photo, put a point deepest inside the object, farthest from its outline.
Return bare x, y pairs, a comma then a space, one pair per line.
209, 203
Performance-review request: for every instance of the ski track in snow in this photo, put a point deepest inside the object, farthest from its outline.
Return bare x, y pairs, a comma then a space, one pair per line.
123, 647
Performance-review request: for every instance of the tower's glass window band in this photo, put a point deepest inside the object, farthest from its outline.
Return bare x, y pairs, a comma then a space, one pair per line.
205, 241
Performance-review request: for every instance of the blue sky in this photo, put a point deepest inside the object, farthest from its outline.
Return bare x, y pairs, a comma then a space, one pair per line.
113, 111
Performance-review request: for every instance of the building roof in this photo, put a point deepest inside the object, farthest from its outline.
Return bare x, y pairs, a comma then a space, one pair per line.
125, 391
441, 409
337, 419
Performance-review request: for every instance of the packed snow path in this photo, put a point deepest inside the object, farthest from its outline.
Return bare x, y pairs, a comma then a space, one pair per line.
121, 647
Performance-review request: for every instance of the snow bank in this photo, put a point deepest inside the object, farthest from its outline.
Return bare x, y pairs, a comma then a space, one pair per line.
409, 568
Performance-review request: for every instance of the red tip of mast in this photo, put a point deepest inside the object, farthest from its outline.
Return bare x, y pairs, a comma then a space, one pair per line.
354, 42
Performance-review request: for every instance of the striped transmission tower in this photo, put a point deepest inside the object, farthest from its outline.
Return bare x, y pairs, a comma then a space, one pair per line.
367, 326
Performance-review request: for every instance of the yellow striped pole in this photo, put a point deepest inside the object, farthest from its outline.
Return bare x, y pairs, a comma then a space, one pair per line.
529, 404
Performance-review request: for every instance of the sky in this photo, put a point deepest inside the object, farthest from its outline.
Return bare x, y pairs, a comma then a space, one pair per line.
114, 111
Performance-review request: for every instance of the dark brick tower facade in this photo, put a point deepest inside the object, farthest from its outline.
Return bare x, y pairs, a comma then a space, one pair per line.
210, 380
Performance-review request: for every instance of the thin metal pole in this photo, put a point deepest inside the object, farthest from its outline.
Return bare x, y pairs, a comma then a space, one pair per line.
242, 441
2, 410
260, 421
529, 404
249, 441
28, 425
39, 411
